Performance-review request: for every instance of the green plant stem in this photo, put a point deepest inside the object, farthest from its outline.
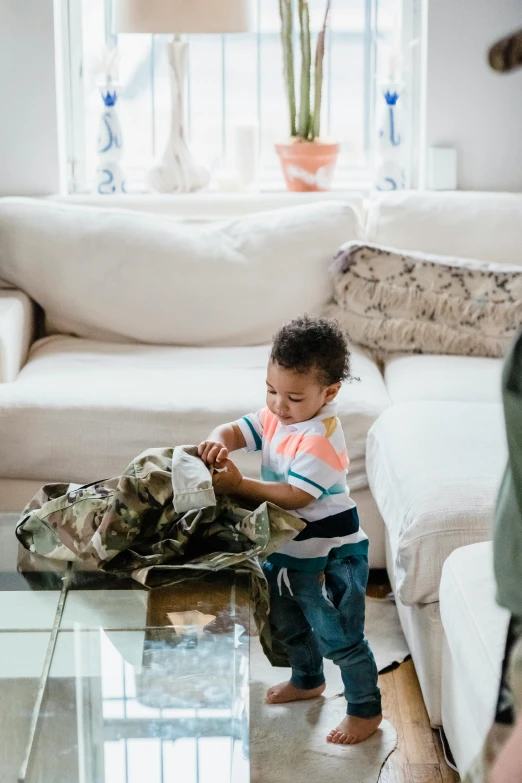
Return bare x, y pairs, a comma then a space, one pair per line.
304, 125
318, 76
286, 14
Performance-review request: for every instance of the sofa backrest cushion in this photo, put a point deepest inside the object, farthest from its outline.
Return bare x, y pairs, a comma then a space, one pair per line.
207, 207
392, 301
118, 275
485, 226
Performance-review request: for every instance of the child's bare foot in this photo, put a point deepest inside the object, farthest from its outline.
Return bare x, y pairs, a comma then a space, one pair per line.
285, 691
353, 730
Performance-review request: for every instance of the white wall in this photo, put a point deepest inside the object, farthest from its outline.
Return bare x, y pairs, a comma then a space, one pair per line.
469, 106
28, 126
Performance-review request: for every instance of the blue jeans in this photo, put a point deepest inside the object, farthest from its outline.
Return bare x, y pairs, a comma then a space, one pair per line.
321, 615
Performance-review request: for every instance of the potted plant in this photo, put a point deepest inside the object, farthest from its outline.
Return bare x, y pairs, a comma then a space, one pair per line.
308, 161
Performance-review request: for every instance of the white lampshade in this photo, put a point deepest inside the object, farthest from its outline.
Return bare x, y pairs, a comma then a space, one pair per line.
182, 16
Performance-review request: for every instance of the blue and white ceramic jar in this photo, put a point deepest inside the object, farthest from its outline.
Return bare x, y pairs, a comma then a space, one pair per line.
109, 178
390, 149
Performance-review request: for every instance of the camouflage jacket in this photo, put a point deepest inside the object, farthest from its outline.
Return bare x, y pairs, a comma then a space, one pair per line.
159, 522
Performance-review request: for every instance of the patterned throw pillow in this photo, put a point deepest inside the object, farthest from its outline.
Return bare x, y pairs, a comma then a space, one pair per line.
392, 301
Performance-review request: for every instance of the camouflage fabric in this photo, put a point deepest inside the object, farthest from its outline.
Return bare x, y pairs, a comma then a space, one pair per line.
159, 522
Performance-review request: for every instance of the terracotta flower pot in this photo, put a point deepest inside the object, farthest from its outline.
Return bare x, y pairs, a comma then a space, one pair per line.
308, 165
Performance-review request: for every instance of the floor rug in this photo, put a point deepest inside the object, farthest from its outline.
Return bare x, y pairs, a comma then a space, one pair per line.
288, 741
384, 633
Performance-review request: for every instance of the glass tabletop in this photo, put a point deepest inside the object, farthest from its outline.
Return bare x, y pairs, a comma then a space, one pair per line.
103, 681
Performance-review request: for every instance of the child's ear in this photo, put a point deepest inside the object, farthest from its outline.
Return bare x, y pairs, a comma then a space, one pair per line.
332, 391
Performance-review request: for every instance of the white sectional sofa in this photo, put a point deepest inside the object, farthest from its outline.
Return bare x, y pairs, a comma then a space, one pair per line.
76, 409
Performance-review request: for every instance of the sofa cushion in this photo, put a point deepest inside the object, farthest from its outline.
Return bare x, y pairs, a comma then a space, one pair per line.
432, 377
17, 325
81, 410
398, 301
434, 469
475, 629
485, 226
117, 275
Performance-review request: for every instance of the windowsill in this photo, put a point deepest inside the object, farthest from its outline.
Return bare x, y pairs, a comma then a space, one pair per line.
211, 204
267, 189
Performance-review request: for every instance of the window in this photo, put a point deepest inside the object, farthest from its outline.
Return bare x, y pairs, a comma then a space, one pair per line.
232, 79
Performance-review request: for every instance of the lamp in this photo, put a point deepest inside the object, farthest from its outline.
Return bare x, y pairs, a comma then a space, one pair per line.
177, 171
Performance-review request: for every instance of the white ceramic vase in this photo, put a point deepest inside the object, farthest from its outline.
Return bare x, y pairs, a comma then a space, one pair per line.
390, 149
109, 178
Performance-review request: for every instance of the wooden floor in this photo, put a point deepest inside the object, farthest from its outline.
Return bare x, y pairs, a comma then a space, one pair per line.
418, 757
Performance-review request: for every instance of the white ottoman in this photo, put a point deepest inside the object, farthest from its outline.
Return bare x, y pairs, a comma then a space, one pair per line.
474, 635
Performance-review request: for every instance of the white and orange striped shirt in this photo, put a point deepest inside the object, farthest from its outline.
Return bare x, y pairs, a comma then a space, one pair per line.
310, 455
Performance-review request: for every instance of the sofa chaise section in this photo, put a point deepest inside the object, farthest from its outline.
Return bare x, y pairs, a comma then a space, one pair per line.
434, 469
470, 379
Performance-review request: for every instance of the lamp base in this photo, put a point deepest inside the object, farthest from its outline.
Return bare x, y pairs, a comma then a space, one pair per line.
177, 171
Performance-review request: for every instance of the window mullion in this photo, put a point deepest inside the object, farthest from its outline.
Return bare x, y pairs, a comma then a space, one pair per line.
373, 77
76, 95
329, 44
188, 102
223, 101
153, 93
259, 115
367, 72
110, 38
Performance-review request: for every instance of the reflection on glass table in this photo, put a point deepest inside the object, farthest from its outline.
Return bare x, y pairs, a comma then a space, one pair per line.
142, 686
146, 705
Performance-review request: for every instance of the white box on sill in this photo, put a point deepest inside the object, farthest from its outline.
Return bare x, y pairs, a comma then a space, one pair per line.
442, 168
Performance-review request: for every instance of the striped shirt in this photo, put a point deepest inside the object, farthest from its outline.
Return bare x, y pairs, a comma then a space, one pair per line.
310, 455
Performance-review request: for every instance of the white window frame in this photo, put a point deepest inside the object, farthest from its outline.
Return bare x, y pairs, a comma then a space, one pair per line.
347, 178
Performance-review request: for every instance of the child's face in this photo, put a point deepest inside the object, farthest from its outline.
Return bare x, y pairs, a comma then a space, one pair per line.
295, 396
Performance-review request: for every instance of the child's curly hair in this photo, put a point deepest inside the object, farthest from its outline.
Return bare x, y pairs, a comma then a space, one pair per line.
310, 342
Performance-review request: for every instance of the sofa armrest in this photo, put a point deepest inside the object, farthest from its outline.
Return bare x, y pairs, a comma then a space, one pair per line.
17, 325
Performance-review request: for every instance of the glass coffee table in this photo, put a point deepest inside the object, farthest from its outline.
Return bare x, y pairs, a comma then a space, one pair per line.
103, 681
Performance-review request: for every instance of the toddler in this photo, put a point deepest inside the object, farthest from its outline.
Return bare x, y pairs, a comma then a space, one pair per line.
318, 580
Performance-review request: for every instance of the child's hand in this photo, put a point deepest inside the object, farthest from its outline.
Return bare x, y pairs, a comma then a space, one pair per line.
228, 481
213, 453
